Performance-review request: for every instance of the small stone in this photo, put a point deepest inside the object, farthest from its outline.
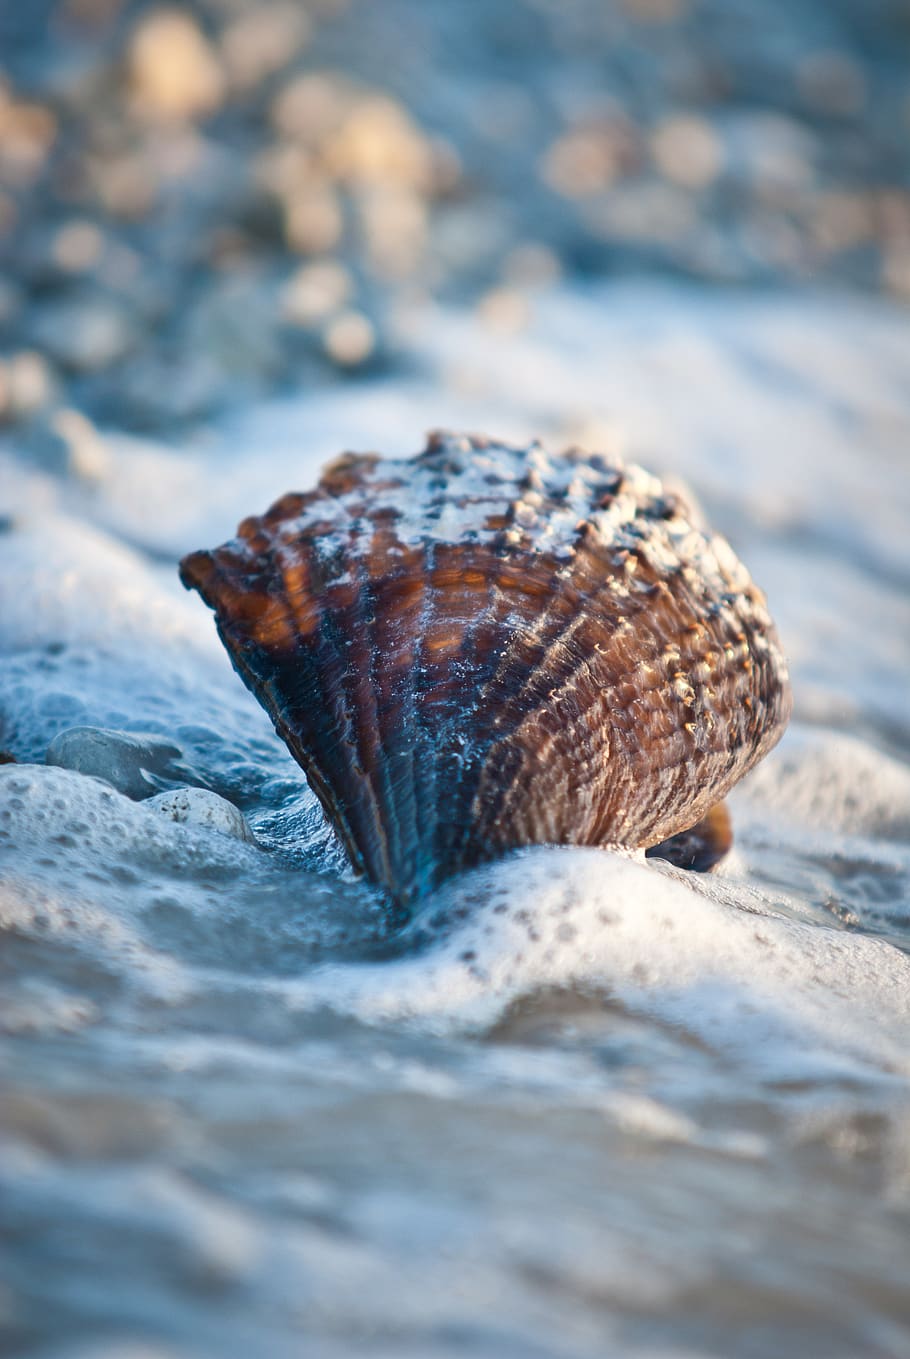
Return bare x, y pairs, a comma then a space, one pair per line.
234, 323
136, 765
27, 132
687, 151
200, 807
378, 143
26, 385
262, 41
896, 270
505, 310
584, 161
174, 71
310, 107
393, 224
77, 247
315, 291
775, 153
350, 339
87, 454
313, 219
158, 392
531, 265
85, 336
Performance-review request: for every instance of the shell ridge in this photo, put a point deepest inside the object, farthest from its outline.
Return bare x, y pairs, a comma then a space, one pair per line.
425, 769
514, 715
359, 685
607, 490
470, 776
322, 709
465, 764
455, 832
508, 791
417, 769
250, 664
455, 840
500, 800
399, 738
470, 789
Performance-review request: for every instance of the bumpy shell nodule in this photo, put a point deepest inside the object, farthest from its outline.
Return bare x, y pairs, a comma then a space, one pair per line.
487, 646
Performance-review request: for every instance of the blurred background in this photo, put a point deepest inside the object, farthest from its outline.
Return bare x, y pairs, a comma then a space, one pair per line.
206, 202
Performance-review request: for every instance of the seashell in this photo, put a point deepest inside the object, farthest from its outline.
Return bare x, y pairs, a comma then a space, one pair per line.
489, 646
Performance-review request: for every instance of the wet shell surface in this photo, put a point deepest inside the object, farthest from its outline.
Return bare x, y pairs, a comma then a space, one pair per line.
489, 646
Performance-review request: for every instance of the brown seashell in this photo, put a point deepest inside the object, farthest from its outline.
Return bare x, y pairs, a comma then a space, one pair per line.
487, 646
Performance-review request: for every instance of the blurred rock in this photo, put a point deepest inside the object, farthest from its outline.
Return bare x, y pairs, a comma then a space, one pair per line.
88, 454
687, 151
84, 335
350, 339
263, 40
313, 219
149, 151
315, 291
160, 391
531, 265
78, 246
26, 385
310, 107
235, 324
393, 223
505, 310
896, 271
589, 158
27, 132
772, 153
174, 72
377, 143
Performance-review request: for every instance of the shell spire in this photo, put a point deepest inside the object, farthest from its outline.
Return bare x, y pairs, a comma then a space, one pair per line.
489, 646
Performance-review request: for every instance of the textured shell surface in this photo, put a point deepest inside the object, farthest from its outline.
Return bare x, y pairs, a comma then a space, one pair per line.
489, 646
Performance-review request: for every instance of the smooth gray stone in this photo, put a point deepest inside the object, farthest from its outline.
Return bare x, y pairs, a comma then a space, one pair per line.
137, 765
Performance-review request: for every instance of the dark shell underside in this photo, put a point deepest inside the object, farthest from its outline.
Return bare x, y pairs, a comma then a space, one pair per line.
450, 701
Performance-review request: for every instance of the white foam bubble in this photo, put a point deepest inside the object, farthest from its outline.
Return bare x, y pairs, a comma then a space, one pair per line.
781, 996
829, 781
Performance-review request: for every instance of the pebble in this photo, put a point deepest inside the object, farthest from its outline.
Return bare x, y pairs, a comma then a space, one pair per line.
26, 385
200, 807
84, 336
175, 74
350, 339
136, 765
735, 152
262, 41
687, 151
315, 291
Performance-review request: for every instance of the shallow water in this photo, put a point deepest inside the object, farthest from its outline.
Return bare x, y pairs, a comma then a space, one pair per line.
583, 1105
